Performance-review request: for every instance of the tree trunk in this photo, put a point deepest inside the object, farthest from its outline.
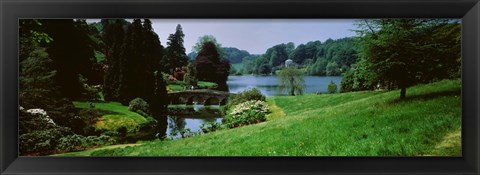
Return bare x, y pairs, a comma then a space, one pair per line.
403, 92
292, 87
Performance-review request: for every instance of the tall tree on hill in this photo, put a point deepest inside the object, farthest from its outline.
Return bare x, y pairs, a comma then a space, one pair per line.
404, 51
175, 52
113, 37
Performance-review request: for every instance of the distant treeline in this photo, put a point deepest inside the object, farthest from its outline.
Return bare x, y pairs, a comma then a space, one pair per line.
332, 57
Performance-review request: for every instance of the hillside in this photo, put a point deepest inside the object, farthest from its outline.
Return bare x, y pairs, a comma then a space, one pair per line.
369, 123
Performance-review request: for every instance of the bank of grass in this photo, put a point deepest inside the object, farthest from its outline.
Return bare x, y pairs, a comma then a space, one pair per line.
428, 122
118, 116
180, 86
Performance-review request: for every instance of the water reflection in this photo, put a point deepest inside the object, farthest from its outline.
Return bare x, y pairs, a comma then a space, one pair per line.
191, 117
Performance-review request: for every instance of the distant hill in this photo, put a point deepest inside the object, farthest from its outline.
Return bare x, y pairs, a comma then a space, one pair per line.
232, 54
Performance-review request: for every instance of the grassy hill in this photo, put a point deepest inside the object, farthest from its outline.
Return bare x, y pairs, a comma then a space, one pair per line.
428, 122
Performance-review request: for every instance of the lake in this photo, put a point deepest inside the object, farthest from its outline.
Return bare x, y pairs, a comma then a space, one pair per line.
268, 85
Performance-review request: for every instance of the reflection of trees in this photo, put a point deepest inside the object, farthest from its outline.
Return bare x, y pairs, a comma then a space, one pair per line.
176, 123
206, 120
161, 127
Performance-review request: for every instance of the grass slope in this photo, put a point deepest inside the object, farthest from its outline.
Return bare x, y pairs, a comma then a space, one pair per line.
118, 116
349, 124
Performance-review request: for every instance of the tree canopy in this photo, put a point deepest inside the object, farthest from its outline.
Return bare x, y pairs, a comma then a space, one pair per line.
398, 53
291, 80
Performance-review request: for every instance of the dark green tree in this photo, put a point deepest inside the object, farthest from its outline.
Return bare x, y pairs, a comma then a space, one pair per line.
210, 67
113, 37
175, 55
403, 52
72, 53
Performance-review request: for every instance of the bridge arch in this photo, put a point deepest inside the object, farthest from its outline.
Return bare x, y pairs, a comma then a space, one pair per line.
201, 96
212, 101
193, 99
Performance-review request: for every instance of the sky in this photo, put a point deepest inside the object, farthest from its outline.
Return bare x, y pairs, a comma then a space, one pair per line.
254, 35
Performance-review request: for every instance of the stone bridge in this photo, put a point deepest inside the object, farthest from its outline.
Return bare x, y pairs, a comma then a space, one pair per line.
200, 96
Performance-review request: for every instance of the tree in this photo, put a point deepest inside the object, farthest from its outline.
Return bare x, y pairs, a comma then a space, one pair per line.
175, 52
38, 87
209, 66
207, 38
403, 52
332, 87
72, 53
234, 55
113, 37
277, 55
160, 99
190, 78
332, 69
291, 79
132, 56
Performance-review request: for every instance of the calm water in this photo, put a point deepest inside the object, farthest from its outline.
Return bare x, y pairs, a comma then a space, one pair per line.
192, 116
268, 85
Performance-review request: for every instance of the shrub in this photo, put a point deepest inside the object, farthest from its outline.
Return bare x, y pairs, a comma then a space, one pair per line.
138, 104
72, 143
332, 87
102, 140
247, 95
41, 141
210, 127
246, 113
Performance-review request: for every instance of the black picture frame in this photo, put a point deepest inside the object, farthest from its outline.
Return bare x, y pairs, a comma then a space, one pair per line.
12, 10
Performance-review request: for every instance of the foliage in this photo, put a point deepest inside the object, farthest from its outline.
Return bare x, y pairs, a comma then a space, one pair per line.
246, 95
210, 67
175, 52
41, 141
138, 104
72, 53
78, 142
38, 133
332, 87
207, 38
71, 143
246, 113
117, 116
210, 127
190, 78
276, 55
38, 89
234, 55
291, 79
404, 52
132, 53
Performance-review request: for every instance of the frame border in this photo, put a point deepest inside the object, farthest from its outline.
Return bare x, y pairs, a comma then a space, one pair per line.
12, 10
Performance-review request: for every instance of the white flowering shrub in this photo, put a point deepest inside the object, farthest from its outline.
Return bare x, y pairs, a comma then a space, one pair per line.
42, 114
246, 113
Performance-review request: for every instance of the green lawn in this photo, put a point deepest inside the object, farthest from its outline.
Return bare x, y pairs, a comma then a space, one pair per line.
119, 116
428, 122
